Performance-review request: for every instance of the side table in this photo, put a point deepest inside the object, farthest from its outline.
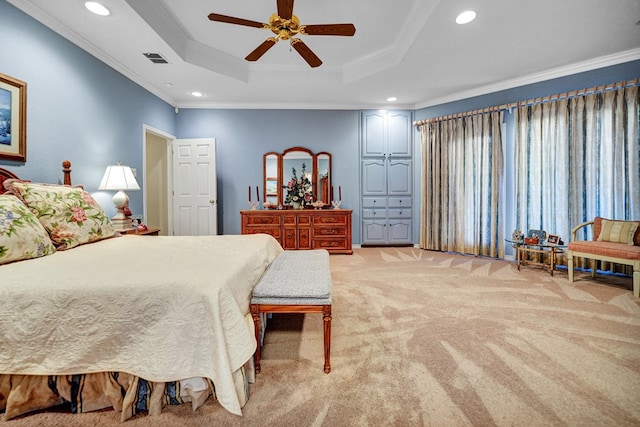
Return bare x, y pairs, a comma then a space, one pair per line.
134, 231
546, 254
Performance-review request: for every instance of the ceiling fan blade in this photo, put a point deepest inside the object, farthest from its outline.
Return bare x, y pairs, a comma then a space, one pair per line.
238, 21
329, 30
306, 53
285, 9
261, 50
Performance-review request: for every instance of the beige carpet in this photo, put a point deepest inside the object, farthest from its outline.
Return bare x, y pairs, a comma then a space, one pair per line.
426, 338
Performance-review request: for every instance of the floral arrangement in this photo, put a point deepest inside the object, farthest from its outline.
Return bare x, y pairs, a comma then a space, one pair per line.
299, 189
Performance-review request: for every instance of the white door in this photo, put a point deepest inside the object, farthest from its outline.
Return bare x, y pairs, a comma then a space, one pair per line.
194, 187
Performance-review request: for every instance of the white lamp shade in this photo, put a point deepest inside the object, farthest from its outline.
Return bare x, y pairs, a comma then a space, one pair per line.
118, 177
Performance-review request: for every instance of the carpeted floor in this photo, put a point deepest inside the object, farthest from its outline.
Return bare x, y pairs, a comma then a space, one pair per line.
425, 338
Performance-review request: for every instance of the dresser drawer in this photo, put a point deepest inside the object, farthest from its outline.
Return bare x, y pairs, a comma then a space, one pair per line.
332, 219
258, 219
331, 244
329, 231
272, 231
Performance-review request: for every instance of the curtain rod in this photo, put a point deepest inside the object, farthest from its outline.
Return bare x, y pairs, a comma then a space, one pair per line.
533, 101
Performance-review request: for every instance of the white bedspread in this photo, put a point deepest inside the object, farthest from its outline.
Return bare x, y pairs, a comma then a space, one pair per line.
162, 308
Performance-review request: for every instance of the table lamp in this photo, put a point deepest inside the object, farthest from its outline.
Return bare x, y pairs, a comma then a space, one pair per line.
120, 178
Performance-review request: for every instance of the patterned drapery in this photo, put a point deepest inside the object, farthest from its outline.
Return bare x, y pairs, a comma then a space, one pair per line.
578, 158
462, 175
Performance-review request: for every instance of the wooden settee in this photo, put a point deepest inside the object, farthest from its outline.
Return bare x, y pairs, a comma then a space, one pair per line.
616, 247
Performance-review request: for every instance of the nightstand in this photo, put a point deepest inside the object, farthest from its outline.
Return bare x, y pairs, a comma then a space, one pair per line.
133, 231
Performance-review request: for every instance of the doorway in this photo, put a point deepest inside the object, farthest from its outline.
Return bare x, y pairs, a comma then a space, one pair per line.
179, 187
156, 188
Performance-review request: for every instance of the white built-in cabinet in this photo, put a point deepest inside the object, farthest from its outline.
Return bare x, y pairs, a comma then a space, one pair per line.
386, 153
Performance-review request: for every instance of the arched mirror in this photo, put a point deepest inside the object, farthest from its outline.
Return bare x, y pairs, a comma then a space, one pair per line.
297, 177
313, 170
271, 186
323, 170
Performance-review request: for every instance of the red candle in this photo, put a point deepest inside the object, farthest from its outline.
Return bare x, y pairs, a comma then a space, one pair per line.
340, 192
249, 193
257, 193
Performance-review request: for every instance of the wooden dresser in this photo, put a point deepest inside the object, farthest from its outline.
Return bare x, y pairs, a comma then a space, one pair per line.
328, 229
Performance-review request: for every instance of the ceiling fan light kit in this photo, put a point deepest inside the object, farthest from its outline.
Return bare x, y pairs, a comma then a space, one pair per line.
286, 26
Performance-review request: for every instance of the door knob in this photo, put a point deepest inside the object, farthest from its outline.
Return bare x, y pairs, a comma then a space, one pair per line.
212, 201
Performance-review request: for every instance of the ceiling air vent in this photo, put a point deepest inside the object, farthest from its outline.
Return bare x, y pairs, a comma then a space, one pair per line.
156, 58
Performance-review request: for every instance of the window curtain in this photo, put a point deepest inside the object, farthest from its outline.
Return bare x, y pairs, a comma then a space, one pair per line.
462, 178
577, 158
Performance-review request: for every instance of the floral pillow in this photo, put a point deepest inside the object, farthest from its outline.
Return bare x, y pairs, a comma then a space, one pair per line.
69, 214
21, 234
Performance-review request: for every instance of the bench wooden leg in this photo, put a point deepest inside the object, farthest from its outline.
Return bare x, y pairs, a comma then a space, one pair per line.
255, 313
570, 267
326, 317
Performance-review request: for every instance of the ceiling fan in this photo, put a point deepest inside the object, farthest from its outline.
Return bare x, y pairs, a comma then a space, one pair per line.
285, 25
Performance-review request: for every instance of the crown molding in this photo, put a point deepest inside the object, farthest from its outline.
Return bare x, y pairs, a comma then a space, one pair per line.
70, 35
579, 67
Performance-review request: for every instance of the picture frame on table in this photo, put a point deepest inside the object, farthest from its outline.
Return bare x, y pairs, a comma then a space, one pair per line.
553, 239
13, 119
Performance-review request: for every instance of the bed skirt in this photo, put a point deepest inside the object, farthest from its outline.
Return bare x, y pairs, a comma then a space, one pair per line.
125, 393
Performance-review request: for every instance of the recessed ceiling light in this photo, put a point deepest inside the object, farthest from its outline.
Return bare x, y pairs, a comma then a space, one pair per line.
197, 93
97, 8
392, 99
466, 17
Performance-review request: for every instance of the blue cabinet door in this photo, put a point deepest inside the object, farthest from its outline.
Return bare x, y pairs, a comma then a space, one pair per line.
399, 177
374, 177
374, 141
399, 133
399, 231
374, 232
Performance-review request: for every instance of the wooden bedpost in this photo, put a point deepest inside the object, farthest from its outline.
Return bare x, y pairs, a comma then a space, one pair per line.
66, 171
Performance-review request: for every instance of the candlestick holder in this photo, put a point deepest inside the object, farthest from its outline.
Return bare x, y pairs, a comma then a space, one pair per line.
336, 204
254, 205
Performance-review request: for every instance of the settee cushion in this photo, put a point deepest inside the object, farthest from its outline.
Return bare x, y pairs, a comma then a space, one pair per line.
296, 278
618, 231
610, 249
609, 230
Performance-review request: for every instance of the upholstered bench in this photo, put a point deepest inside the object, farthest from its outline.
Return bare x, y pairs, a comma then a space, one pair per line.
613, 240
295, 282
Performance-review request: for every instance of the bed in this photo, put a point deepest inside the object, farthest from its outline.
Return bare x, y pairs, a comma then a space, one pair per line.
128, 322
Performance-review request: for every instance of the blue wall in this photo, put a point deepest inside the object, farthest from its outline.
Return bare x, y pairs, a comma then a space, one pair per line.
243, 136
78, 108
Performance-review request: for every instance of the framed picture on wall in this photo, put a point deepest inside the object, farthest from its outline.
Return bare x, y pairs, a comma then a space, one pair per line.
13, 119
